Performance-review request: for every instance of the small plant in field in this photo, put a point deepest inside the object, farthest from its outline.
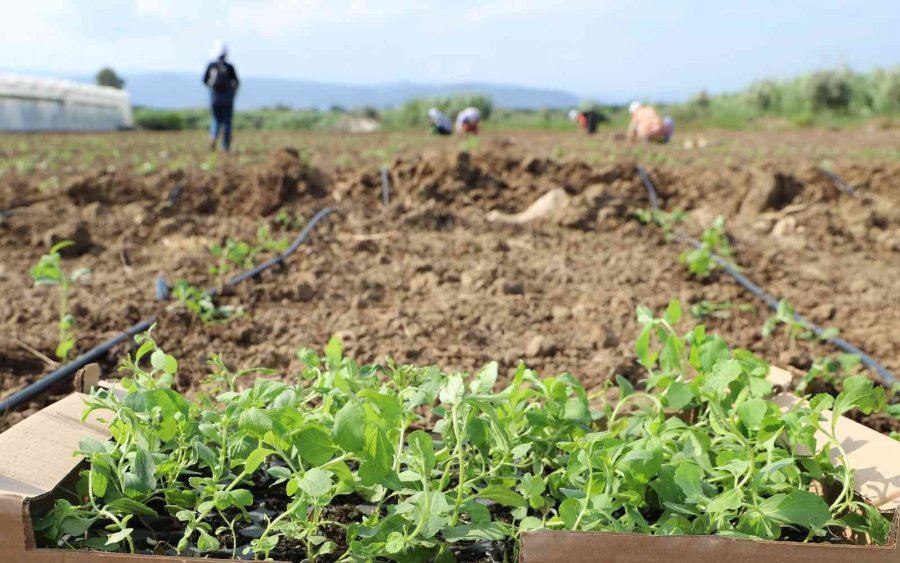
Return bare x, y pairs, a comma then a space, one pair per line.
146, 168
201, 305
237, 254
470, 145
232, 254
265, 242
49, 271
701, 261
785, 315
703, 309
830, 371
662, 219
386, 462
289, 221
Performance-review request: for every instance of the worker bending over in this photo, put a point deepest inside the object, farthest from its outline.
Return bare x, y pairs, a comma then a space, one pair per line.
587, 120
467, 121
222, 81
440, 123
646, 124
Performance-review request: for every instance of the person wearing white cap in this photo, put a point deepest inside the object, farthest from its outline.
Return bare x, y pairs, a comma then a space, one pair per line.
646, 124
587, 120
467, 121
440, 123
221, 79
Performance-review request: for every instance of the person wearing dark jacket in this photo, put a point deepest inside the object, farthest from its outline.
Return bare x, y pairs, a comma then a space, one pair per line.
222, 81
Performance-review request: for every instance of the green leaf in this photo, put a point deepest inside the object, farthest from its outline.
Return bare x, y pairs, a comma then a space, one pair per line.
859, 392
673, 312
349, 425
62, 351
642, 347
486, 531
752, 412
314, 445
568, 512
485, 379
163, 362
731, 499
125, 505
379, 456
118, 536
395, 542
799, 507
679, 395
255, 459
722, 375
316, 482
502, 495
334, 352
422, 447
206, 542
689, 477
98, 482
453, 390
255, 421
144, 469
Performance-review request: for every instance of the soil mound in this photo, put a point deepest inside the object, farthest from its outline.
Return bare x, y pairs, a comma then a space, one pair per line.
284, 178
491, 181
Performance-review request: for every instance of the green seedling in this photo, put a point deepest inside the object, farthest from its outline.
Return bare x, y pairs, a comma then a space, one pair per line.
701, 262
471, 144
201, 305
786, 316
240, 255
703, 309
830, 371
444, 459
662, 219
49, 271
232, 254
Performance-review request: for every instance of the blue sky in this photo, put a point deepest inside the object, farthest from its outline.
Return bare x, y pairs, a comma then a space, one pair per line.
610, 50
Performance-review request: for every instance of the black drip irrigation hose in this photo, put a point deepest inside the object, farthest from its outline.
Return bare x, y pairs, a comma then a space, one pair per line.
67, 371
839, 182
385, 186
887, 378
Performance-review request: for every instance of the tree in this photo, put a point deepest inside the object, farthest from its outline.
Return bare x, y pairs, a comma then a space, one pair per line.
108, 77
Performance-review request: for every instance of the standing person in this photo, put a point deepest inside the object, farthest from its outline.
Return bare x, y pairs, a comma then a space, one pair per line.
440, 123
646, 124
467, 121
222, 81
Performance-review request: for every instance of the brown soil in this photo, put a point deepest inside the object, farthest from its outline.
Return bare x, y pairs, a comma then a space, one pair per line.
430, 279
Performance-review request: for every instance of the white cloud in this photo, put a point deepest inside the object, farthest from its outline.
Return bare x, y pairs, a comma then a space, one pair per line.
165, 9
496, 9
280, 18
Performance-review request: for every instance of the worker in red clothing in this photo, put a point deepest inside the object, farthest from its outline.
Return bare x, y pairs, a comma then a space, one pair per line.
467, 121
587, 120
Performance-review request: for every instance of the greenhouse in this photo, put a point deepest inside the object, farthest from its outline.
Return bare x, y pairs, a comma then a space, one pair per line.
49, 104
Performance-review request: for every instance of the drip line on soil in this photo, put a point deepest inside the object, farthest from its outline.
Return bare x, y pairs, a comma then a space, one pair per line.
48, 381
839, 182
385, 186
886, 376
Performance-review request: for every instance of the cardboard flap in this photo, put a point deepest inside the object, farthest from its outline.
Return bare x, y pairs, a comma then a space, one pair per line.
38, 451
874, 457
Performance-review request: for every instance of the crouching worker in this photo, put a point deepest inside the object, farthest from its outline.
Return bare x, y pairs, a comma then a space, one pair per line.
467, 121
440, 123
222, 81
646, 124
587, 120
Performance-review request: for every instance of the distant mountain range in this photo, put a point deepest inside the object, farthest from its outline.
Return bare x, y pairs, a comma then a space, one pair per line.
182, 90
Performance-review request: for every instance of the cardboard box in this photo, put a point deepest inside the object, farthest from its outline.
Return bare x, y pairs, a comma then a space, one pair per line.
38, 456
874, 456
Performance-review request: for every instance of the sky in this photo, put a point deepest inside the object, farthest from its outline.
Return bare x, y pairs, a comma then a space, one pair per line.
610, 50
